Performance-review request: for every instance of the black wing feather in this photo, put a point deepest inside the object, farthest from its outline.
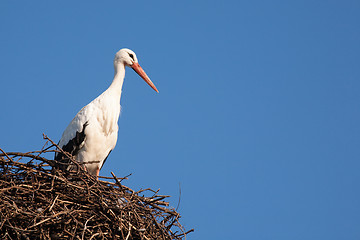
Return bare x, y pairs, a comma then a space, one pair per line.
72, 147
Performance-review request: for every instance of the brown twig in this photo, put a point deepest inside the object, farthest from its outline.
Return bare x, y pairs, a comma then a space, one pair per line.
39, 202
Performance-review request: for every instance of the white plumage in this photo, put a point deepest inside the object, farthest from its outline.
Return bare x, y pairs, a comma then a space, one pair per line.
92, 134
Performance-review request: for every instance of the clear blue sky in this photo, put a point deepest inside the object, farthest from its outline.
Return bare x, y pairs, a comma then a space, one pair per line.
258, 115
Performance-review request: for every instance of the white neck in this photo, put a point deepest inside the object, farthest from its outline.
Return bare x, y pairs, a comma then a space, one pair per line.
119, 76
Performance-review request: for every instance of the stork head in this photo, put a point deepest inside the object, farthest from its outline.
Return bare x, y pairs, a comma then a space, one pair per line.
128, 58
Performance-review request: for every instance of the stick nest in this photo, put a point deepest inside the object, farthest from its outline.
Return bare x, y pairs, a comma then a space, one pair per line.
39, 201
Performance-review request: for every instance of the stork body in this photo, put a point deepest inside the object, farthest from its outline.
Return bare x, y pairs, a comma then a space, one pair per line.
92, 134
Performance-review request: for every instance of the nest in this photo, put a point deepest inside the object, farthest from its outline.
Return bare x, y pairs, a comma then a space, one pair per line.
38, 201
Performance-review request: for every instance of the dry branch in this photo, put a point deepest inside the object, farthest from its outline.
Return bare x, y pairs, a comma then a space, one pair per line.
39, 201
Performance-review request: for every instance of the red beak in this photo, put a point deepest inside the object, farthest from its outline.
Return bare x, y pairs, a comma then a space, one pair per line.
143, 75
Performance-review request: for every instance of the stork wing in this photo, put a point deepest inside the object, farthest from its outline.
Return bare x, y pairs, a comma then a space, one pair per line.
73, 137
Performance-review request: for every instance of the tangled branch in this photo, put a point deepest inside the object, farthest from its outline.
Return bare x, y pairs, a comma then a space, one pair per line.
39, 201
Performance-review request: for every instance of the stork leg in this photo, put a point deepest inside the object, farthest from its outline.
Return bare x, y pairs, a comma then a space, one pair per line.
97, 171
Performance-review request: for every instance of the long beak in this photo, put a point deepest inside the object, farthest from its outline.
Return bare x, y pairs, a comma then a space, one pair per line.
143, 75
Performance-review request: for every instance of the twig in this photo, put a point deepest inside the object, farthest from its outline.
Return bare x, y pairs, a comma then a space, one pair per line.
37, 201
5, 154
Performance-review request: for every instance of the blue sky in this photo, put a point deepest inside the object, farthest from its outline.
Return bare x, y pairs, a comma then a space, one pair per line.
257, 117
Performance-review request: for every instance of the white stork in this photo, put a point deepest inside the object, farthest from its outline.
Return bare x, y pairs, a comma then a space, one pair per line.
92, 134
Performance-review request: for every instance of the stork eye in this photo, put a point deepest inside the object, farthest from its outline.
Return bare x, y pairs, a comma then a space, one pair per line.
132, 56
